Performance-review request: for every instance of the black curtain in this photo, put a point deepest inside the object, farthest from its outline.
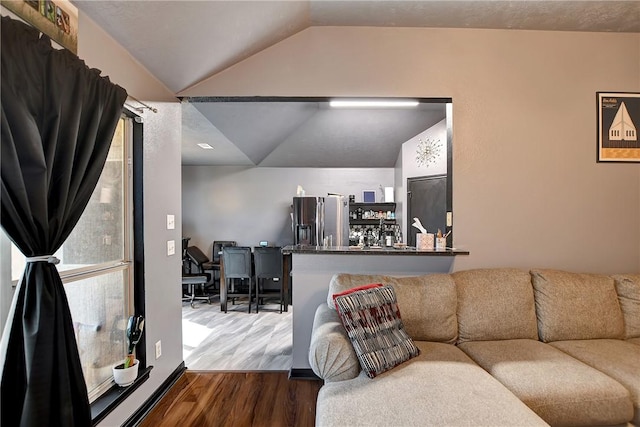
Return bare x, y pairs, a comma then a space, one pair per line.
58, 119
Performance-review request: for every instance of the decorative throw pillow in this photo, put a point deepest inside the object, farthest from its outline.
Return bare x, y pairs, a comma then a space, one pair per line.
372, 320
352, 290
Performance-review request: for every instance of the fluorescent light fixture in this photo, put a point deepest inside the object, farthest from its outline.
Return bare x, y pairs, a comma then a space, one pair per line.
205, 146
373, 103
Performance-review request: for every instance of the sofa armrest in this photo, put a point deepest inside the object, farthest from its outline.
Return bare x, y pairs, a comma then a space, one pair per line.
331, 354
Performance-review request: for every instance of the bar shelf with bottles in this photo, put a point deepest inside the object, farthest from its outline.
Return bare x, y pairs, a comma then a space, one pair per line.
372, 222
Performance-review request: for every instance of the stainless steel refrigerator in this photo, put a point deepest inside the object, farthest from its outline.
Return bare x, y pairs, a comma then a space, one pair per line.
336, 220
317, 218
308, 220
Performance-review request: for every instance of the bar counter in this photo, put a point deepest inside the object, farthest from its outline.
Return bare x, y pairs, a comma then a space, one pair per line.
370, 250
312, 268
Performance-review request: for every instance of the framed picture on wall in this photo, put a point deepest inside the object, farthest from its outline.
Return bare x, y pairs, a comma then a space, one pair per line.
618, 126
58, 19
369, 196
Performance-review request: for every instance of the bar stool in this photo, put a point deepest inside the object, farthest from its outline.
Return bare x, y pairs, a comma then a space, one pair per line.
216, 255
268, 262
236, 265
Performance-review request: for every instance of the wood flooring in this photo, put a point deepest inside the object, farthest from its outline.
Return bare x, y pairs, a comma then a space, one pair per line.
203, 399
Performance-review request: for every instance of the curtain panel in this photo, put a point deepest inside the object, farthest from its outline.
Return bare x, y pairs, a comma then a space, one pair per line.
58, 119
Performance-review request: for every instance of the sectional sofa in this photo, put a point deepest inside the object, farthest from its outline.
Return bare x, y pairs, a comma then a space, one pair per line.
498, 347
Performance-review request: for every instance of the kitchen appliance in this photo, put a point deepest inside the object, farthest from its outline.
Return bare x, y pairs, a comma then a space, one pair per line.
336, 220
319, 221
308, 220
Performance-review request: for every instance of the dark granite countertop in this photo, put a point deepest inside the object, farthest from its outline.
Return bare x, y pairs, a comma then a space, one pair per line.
356, 250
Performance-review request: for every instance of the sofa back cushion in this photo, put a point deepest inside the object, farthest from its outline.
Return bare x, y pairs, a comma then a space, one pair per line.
576, 306
495, 304
628, 290
427, 303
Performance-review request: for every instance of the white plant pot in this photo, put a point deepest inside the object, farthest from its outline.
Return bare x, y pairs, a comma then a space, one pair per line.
124, 377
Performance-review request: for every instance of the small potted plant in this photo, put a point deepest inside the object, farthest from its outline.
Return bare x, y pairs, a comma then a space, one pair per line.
126, 372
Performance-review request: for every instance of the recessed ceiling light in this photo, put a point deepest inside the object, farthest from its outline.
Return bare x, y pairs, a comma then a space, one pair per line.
373, 103
205, 146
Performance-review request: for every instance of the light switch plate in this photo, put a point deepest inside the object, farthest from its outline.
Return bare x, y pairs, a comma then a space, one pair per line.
171, 222
171, 247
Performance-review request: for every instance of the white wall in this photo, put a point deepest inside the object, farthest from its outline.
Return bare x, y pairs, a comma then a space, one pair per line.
411, 169
527, 191
253, 204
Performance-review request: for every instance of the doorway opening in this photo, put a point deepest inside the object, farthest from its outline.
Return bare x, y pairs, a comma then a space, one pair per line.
260, 149
428, 199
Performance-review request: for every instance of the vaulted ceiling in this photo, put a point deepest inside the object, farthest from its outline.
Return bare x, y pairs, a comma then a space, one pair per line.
183, 43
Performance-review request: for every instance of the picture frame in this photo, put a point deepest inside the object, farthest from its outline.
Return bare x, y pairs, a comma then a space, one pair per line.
618, 124
369, 196
58, 19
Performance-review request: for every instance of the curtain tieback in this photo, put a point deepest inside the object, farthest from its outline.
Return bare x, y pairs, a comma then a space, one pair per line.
44, 258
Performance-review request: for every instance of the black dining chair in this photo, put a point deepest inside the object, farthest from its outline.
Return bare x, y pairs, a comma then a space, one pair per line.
269, 276
237, 275
216, 254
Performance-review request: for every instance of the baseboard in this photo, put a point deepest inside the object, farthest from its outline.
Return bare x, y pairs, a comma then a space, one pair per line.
302, 374
136, 418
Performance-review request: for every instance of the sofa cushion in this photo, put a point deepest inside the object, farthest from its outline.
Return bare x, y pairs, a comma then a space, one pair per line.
495, 304
372, 320
618, 359
628, 290
635, 341
331, 354
440, 387
428, 302
576, 306
558, 387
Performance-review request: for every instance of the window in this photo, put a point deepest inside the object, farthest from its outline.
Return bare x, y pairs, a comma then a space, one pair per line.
96, 267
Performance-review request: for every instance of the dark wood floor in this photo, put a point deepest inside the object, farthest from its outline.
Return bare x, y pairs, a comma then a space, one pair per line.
236, 399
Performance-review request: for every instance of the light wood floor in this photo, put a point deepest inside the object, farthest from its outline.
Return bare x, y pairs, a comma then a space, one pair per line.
202, 399
237, 340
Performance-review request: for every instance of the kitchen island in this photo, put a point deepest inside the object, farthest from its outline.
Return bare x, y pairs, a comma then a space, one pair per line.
312, 268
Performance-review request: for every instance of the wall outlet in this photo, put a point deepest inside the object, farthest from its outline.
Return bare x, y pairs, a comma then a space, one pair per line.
158, 349
171, 247
171, 222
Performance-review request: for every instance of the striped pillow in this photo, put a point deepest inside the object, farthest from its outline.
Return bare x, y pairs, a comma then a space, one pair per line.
372, 320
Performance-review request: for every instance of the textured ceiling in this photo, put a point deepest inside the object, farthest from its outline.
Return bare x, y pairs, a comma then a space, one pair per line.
552, 15
185, 42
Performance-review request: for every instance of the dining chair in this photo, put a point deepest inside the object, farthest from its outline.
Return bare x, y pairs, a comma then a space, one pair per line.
216, 254
235, 270
269, 276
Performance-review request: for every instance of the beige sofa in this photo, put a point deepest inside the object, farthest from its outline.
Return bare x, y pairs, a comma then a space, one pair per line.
499, 347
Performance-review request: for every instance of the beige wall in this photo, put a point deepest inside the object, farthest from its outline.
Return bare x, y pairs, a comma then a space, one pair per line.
527, 189
162, 193
99, 50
